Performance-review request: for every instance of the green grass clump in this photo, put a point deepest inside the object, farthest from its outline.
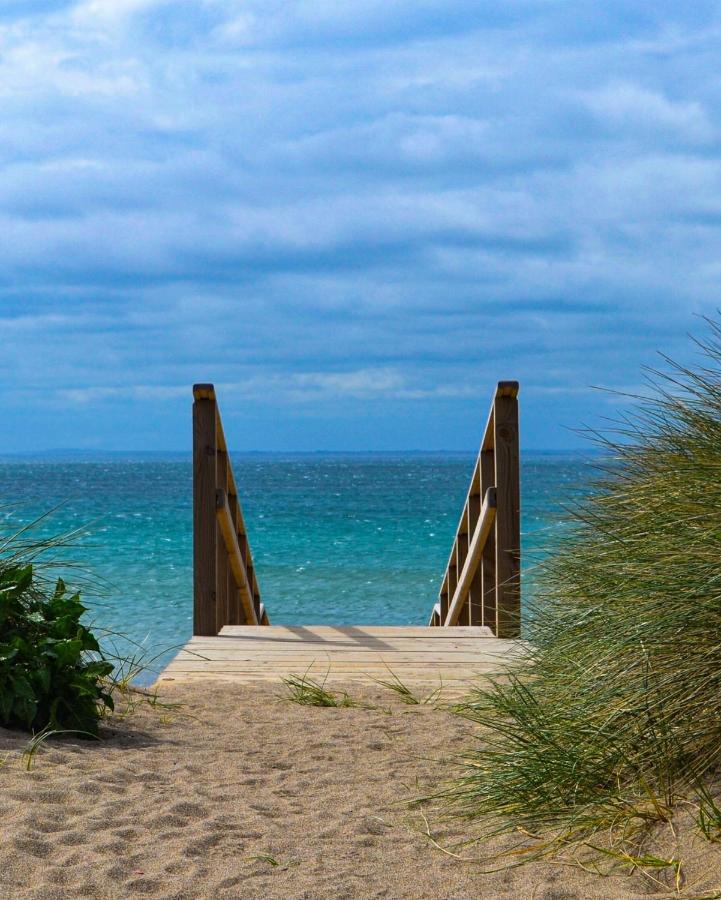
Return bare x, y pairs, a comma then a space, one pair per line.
405, 694
616, 711
306, 691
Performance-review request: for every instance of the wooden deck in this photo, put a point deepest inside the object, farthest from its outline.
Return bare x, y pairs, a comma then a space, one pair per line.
348, 653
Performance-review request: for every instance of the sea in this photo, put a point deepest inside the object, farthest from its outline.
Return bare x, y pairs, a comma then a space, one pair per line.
336, 538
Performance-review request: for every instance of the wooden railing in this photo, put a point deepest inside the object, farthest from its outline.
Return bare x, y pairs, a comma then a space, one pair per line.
481, 584
225, 588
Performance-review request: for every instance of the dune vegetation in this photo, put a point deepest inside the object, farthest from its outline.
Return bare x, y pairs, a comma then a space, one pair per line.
53, 675
615, 715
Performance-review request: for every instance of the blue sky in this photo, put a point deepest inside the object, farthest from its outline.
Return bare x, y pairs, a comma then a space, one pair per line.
353, 217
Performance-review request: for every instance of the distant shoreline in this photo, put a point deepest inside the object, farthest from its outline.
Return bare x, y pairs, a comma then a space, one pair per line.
185, 455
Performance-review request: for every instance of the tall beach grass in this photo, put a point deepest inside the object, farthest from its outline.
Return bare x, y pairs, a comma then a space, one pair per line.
616, 712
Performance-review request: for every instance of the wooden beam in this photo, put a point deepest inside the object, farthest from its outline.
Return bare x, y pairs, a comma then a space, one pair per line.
230, 539
224, 578
475, 550
488, 558
235, 607
508, 520
204, 527
475, 592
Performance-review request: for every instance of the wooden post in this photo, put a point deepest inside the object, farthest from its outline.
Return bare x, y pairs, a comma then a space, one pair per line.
204, 517
508, 516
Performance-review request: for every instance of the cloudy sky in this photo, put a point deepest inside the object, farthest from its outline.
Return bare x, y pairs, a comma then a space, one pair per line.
354, 217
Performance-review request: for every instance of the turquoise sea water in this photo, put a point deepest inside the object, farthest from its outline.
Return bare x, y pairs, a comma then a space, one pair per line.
347, 539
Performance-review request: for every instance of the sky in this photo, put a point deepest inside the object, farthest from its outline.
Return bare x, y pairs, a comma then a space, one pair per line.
352, 217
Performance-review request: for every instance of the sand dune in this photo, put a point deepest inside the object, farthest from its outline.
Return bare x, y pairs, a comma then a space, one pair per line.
240, 795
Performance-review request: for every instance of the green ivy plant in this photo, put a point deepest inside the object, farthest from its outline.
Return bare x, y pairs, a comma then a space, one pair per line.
52, 673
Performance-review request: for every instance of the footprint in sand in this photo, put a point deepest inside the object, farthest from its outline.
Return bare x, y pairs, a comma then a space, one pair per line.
169, 820
189, 810
127, 833
201, 846
89, 787
33, 845
148, 886
46, 826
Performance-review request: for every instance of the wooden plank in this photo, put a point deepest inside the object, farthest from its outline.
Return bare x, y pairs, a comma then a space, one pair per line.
449, 681
204, 526
387, 647
235, 604
497, 660
508, 518
462, 553
202, 665
230, 540
317, 649
478, 542
460, 672
302, 631
474, 606
369, 643
488, 558
338, 655
224, 576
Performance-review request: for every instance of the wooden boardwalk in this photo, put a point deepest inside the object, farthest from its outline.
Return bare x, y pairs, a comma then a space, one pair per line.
348, 653
475, 620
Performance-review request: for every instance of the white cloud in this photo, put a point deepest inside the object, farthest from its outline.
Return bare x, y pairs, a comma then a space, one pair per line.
89, 13
634, 107
286, 388
322, 202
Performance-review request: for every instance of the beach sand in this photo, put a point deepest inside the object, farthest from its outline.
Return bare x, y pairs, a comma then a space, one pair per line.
241, 795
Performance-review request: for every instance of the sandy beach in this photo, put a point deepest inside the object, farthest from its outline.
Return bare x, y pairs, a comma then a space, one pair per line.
240, 795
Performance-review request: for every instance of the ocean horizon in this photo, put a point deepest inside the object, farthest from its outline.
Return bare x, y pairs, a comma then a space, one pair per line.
337, 537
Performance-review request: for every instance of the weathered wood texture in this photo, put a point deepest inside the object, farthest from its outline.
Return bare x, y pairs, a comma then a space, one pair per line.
472, 556
481, 584
417, 655
204, 527
225, 588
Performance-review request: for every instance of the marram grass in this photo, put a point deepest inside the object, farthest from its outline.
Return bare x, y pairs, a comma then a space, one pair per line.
616, 712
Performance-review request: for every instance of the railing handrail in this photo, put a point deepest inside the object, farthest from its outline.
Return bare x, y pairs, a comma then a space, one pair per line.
225, 587
481, 583
475, 552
